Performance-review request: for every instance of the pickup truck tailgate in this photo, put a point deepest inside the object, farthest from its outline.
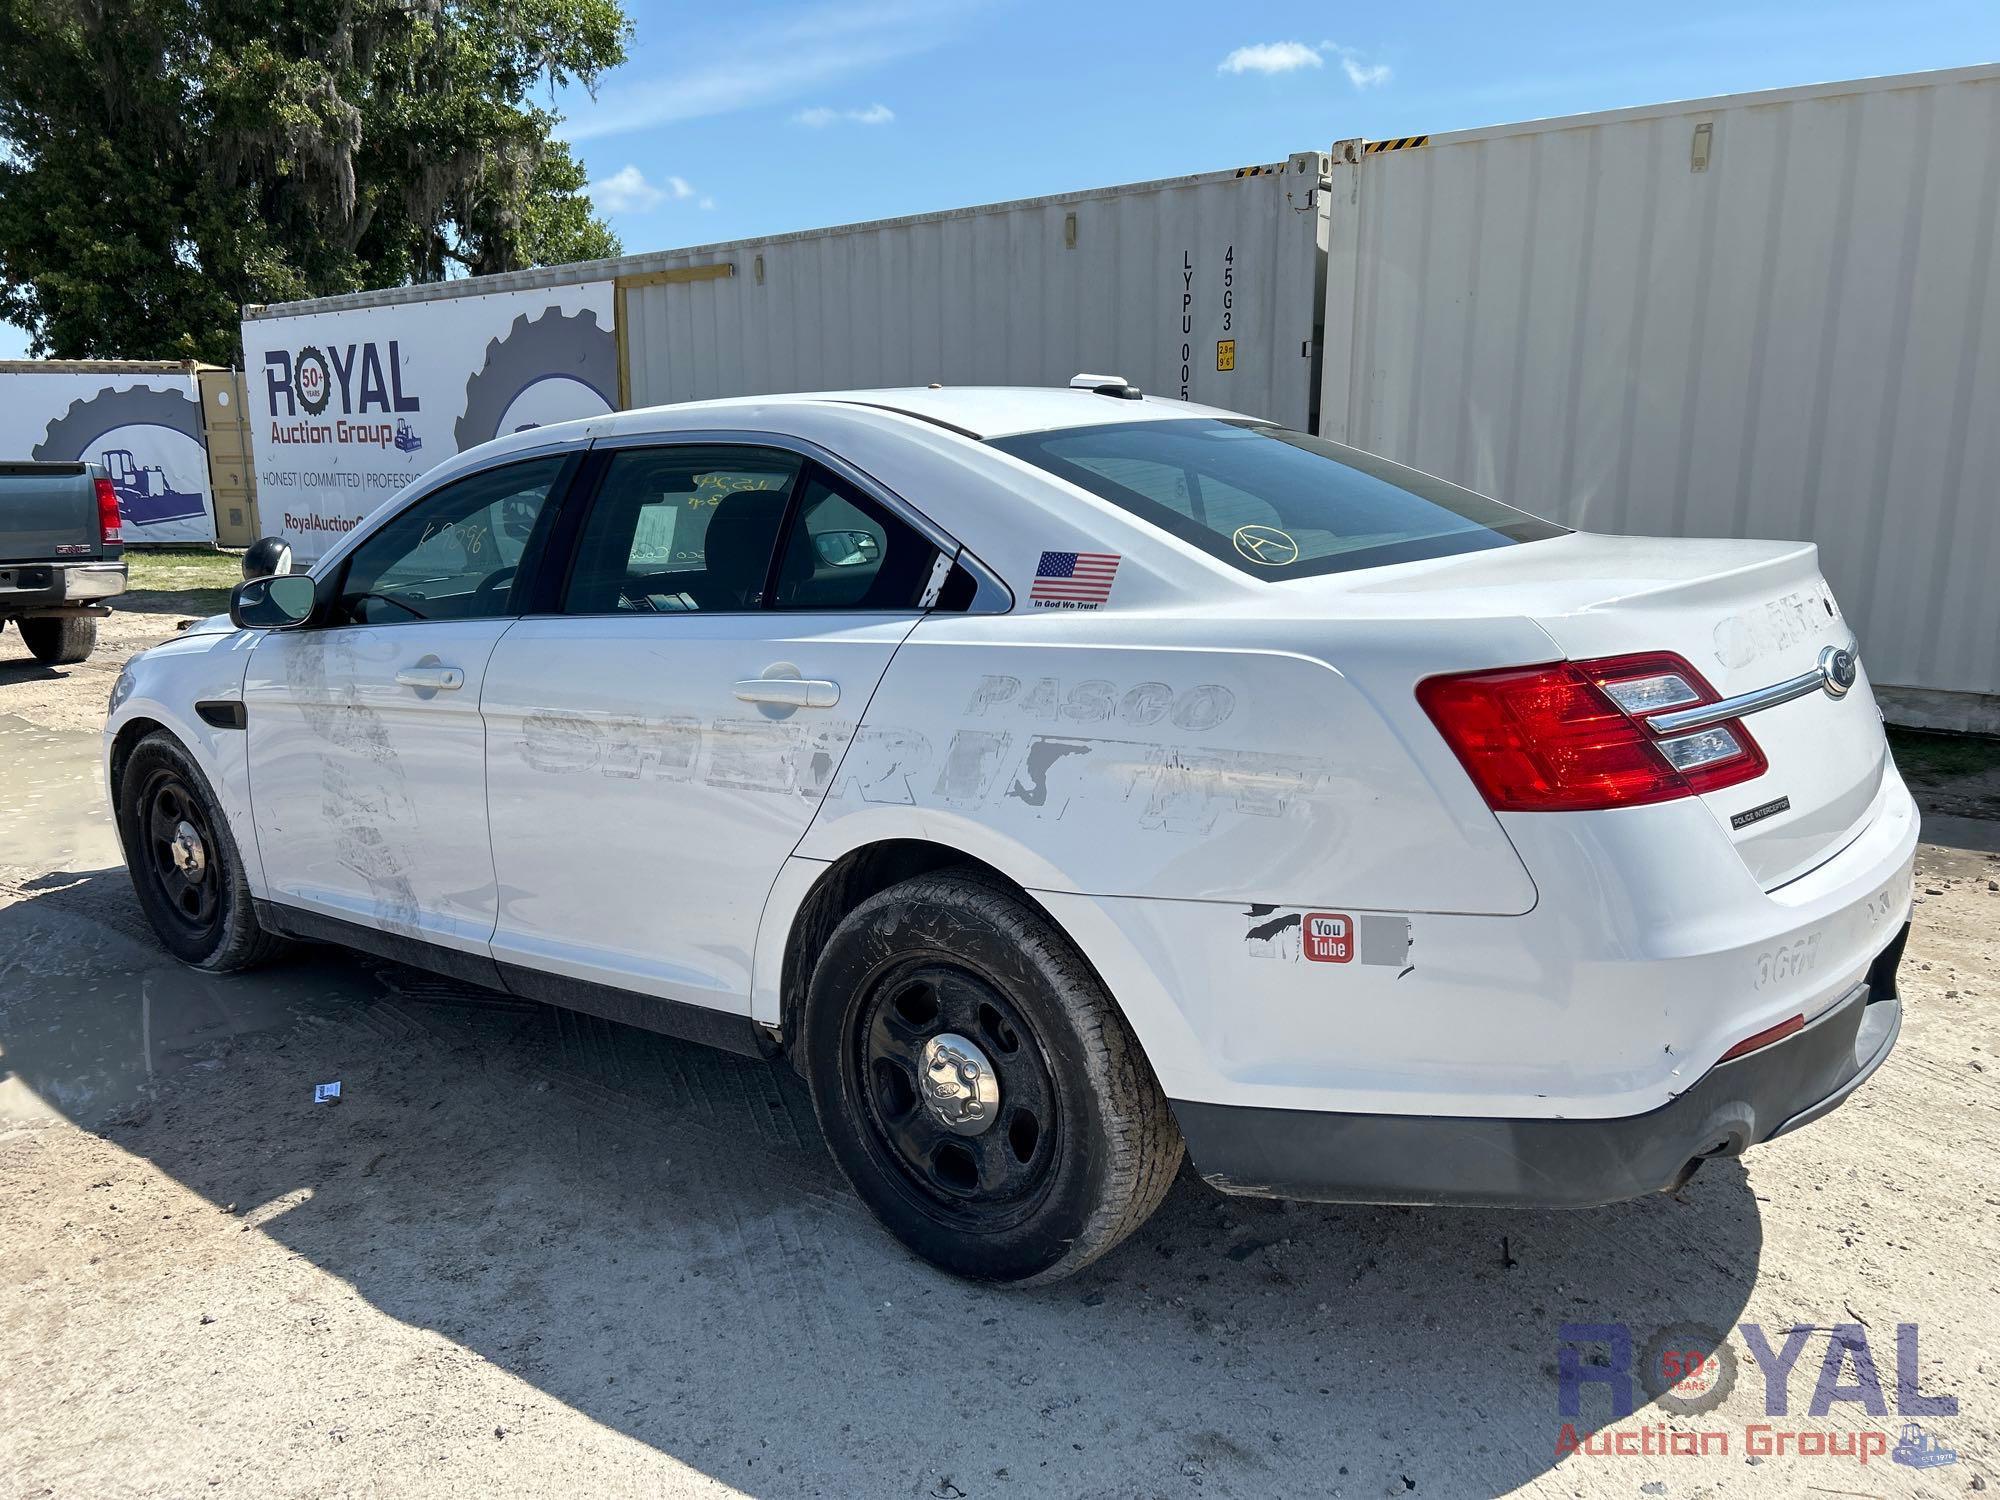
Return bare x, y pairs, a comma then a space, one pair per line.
48, 512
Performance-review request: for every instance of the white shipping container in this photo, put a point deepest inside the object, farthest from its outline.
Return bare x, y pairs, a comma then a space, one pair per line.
140, 421
1204, 287
1769, 315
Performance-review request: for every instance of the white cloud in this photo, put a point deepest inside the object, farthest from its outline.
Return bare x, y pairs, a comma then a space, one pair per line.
626, 191
1363, 75
820, 116
1289, 57
706, 204
1271, 57
765, 63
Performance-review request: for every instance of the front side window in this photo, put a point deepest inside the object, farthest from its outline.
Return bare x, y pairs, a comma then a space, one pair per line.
1275, 503
675, 530
453, 555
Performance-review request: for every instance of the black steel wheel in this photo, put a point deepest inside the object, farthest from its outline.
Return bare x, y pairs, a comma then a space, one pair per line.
932, 1038
185, 867
977, 1085
177, 857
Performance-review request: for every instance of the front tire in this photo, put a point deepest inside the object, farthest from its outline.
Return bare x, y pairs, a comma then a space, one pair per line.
978, 1086
184, 862
60, 641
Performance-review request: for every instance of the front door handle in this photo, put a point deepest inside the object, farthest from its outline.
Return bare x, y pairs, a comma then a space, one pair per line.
789, 692
427, 677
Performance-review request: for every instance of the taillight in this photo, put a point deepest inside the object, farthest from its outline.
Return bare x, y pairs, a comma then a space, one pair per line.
108, 525
1575, 736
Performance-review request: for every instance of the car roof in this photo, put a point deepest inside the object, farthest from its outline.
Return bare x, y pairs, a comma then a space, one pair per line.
986, 411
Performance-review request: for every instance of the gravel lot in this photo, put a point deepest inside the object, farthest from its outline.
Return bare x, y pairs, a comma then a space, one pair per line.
535, 1253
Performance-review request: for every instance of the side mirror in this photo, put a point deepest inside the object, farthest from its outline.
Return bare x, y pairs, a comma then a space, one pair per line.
267, 557
272, 603
846, 549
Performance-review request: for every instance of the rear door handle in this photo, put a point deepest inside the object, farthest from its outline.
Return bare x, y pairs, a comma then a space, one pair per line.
435, 679
789, 692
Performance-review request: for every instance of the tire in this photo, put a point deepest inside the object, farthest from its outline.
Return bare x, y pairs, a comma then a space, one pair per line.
61, 640
1079, 1147
207, 921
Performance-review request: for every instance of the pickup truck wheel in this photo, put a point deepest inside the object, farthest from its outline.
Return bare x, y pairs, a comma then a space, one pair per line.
978, 1087
61, 640
184, 864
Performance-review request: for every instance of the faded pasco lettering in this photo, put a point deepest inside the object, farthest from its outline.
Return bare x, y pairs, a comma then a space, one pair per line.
1097, 700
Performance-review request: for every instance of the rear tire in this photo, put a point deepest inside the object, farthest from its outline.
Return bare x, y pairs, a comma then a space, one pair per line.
184, 862
1077, 1145
61, 640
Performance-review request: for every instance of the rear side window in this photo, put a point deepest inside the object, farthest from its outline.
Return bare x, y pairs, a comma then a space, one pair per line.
1275, 503
678, 530
844, 551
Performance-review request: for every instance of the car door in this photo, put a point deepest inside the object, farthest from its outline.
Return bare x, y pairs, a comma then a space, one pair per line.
657, 747
366, 749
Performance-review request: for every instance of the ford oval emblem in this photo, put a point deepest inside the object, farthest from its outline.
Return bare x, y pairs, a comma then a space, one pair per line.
1837, 669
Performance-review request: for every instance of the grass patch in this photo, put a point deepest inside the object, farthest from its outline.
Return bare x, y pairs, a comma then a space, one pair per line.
1943, 757
180, 580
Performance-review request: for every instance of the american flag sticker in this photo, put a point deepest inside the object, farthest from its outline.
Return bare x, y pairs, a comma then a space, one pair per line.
1073, 580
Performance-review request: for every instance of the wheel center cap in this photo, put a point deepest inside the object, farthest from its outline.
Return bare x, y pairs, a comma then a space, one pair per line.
961, 1090
189, 856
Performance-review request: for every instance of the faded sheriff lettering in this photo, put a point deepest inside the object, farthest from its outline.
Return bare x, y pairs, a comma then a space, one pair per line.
1170, 788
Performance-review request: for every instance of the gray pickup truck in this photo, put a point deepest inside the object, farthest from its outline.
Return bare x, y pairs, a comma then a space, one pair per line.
61, 556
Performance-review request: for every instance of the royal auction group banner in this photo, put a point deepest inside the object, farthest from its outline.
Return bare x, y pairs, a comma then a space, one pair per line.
347, 407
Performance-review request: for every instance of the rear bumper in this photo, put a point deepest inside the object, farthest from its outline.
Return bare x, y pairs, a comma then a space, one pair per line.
26, 587
1553, 1163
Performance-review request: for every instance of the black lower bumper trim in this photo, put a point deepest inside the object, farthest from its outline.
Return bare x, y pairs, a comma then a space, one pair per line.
1552, 1163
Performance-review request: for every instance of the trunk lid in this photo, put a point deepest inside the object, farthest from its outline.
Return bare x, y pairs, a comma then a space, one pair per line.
1747, 615
48, 513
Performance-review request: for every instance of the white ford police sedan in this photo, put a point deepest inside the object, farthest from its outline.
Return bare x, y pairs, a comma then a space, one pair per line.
1064, 779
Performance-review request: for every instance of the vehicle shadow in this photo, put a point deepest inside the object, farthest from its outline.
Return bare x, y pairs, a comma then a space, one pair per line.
653, 1234
23, 667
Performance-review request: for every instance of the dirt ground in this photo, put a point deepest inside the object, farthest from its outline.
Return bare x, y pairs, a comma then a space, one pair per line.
534, 1253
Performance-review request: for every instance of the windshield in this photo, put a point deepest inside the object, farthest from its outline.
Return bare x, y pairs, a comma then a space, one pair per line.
1276, 504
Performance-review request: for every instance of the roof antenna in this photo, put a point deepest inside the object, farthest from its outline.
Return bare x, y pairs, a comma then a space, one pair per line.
1106, 385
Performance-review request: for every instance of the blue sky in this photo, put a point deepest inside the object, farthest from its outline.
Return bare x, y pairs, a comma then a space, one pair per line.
759, 117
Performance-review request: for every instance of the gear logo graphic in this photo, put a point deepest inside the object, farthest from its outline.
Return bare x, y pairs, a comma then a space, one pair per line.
146, 494
312, 378
550, 367
1688, 1369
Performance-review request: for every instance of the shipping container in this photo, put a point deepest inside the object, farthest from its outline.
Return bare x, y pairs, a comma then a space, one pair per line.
1767, 315
1207, 288
140, 420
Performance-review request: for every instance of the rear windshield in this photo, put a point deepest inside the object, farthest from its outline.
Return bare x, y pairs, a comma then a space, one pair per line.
1276, 504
